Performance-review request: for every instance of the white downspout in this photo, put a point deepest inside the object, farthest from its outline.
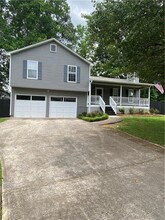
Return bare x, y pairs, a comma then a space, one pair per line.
89, 96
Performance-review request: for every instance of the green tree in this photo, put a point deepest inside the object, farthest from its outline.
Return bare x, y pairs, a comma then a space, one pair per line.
129, 38
4, 73
82, 43
26, 22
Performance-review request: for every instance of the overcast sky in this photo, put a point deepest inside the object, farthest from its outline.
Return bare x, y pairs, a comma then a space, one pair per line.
78, 7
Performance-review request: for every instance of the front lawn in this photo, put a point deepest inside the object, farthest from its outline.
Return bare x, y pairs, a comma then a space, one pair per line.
149, 128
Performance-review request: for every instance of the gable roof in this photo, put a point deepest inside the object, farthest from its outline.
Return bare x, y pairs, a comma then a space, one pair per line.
106, 80
49, 41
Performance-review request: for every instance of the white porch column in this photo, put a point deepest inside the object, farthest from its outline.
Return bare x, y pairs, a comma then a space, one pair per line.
139, 96
149, 97
89, 96
121, 88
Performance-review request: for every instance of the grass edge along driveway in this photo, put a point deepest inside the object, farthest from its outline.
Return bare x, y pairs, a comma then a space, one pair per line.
150, 128
3, 119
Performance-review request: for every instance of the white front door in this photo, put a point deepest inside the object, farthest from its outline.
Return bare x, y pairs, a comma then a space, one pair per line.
63, 107
30, 106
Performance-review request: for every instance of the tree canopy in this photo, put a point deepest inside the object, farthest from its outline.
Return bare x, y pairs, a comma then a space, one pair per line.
30, 21
128, 38
26, 22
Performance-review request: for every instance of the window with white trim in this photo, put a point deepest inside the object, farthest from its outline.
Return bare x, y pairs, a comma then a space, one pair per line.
53, 48
32, 69
72, 73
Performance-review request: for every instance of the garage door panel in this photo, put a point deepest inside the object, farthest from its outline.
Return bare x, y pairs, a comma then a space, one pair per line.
22, 108
62, 107
35, 106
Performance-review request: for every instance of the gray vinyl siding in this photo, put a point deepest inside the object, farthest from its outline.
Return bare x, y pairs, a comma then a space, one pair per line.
52, 69
81, 97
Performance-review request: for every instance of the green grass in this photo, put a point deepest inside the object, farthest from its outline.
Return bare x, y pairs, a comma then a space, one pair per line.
148, 128
3, 119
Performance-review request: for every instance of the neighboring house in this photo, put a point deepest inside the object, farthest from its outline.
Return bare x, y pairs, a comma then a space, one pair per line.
48, 79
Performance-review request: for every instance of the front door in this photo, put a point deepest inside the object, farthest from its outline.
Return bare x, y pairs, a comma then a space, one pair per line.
99, 91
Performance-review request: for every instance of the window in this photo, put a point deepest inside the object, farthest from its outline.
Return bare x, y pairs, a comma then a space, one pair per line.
57, 99
38, 98
23, 97
32, 69
53, 48
115, 92
69, 99
99, 91
72, 73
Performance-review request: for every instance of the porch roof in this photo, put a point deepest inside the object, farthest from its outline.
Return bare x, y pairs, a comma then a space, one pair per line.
112, 81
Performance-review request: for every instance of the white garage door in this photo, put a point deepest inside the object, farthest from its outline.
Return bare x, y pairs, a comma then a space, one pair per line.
63, 107
30, 106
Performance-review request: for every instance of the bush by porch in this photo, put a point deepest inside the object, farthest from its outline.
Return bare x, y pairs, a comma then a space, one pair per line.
93, 116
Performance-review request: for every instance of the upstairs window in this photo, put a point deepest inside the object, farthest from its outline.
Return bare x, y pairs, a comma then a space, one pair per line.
72, 73
32, 69
53, 48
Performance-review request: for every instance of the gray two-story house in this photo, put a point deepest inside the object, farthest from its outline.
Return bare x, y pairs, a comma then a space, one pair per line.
48, 79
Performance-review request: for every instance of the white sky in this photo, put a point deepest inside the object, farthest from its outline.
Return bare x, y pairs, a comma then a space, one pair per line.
78, 7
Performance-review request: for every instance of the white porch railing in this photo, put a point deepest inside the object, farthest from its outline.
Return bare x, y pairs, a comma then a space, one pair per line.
94, 100
102, 103
97, 100
131, 101
113, 104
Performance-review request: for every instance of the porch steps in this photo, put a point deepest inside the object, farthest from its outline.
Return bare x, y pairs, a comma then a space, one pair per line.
109, 111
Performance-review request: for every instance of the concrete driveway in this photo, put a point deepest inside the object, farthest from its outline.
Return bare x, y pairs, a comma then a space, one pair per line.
74, 170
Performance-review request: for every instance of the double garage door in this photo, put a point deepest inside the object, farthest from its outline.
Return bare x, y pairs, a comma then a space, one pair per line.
35, 106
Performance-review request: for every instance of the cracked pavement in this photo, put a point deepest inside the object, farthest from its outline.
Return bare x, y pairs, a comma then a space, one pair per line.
67, 169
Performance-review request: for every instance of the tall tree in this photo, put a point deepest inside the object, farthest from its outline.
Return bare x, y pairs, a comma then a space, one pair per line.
82, 42
26, 22
129, 37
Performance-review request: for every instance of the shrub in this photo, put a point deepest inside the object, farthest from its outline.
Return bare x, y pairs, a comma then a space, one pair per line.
154, 111
131, 110
93, 116
141, 111
122, 110
96, 118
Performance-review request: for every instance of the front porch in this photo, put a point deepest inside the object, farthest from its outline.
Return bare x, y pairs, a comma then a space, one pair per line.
116, 103
117, 93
